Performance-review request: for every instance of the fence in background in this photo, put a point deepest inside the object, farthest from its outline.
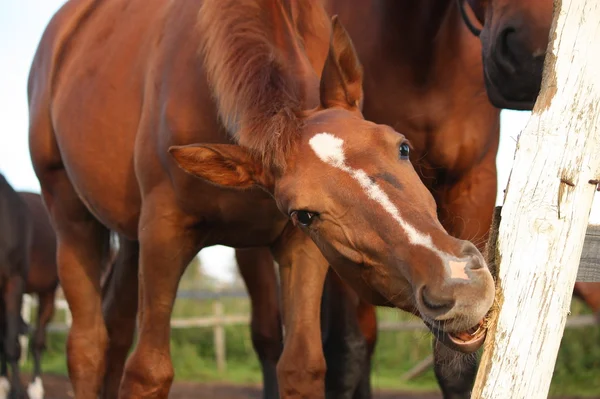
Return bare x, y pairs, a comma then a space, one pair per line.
219, 320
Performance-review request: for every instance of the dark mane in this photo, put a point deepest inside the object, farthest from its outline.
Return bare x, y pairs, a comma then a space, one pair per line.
257, 96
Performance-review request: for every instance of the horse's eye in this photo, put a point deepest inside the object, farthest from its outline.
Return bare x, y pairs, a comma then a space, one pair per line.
305, 218
404, 151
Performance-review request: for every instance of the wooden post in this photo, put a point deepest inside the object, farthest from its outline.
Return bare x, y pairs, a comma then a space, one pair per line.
546, 210
219, 335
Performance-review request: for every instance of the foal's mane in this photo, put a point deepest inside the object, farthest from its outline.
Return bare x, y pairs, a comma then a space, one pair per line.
257, 96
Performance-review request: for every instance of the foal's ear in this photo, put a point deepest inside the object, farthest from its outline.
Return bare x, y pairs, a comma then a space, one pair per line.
224, 165
341, 81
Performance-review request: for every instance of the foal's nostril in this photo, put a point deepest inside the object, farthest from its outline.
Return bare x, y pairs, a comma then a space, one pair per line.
472, 254
470, 251
435, 304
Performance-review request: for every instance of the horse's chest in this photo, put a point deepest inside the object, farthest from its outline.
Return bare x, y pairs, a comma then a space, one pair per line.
442, 156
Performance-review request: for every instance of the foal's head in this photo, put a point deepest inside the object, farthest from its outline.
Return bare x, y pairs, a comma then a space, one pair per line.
348, 184
514, 40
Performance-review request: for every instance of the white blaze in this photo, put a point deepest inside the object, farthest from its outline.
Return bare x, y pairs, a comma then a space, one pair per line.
329, 149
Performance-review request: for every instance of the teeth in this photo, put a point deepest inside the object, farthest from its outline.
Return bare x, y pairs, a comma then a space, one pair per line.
469, 334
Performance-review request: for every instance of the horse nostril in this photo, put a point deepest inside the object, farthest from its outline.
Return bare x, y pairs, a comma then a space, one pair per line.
475, 259
506, 50
435, 304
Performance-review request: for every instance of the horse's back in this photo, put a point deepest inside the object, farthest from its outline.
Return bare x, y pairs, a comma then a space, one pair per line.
128, 82
95, 79
43, 272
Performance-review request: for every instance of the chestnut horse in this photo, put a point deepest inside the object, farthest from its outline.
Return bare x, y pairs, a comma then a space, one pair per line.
15, 243
118, 92
42, 280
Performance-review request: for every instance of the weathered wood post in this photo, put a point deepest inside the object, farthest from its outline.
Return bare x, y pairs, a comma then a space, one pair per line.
546, 210
219, 335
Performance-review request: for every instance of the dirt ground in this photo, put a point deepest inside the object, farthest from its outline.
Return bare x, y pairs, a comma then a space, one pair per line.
58, 387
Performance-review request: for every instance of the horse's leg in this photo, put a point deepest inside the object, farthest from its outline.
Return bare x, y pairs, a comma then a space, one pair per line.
345, 347
466, 209
258, 271
590, 294
301, 368
454, 371
119, 305
367, 319
13, 298
45, 313
4, 383
166, 248
81, 252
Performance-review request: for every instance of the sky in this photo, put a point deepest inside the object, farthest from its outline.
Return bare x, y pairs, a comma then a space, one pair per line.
22, 23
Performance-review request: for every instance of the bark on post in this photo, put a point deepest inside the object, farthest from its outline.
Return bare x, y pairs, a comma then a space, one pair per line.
546, 210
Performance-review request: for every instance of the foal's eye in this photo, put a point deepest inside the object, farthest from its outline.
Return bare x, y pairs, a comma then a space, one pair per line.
404, 151
305, 218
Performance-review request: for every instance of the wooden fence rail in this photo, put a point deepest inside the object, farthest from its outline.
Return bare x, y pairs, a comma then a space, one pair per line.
219, 320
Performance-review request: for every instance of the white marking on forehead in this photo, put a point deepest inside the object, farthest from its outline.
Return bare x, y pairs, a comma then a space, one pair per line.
329, 149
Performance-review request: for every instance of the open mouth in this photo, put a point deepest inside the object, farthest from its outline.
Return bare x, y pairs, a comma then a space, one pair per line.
466, 341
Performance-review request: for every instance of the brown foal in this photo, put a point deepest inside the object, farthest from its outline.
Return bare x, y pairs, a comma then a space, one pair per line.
181, 125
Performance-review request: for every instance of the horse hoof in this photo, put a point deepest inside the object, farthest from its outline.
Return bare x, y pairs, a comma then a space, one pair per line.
35, 390
4, 387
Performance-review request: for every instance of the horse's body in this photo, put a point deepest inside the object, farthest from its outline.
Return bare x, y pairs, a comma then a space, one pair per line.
117, 85
42, 280
15, 242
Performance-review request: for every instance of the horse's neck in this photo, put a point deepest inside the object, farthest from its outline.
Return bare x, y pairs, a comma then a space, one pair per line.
420, 35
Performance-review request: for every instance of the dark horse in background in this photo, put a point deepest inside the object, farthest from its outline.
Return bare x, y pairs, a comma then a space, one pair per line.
16, 233
42, 280
28, 265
